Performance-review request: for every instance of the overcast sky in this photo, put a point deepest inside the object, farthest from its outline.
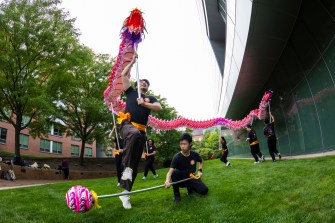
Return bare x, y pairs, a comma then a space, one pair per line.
174, 56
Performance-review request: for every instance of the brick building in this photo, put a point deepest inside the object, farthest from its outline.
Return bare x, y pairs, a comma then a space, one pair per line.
55, 145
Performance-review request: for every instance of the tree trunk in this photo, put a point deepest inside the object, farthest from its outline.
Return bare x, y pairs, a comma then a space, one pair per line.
81, 158
17, 128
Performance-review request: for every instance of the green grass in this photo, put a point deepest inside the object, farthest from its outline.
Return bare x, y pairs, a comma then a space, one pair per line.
301, 190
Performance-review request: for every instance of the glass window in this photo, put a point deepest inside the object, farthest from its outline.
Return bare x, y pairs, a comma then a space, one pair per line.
3, 135
74, 150
24, 141
44, 145
88, 152
75, 137
57, 131
57, 147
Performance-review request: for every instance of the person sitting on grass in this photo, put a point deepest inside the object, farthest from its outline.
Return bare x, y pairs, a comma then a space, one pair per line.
182, 166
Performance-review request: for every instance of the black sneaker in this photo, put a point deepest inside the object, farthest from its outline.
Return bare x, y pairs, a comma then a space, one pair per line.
279, 156
177, 198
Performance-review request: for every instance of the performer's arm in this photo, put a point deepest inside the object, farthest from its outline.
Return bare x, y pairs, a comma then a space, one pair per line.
272, 118
151, 154
125, 72
155, 107
168, 178
200, 168
111, 133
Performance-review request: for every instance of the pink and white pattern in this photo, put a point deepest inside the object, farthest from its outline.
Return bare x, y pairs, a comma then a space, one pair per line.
79, 199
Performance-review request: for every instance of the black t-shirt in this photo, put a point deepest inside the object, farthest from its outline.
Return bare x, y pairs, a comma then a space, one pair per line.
224, 145
252, 136
269, 130
139, 114
151, 149
186, 164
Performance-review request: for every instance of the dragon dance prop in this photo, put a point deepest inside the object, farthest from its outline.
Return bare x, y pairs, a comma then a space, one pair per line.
80, 199
132, 34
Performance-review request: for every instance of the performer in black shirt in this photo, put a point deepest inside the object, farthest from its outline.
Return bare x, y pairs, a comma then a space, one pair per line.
254, 145
224, 151
183, 164
269, 133
133, 126
149, 159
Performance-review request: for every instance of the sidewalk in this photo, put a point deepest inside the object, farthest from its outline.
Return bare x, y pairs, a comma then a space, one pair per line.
7, 184
328, 153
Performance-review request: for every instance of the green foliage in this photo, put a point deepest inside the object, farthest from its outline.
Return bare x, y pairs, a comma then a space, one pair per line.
36, 39
78, 96
197, 145
212, 141
294, 190
205, 153
167, 142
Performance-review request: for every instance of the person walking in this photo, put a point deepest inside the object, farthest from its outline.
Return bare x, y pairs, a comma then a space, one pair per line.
224, 150
254, 145
149, 159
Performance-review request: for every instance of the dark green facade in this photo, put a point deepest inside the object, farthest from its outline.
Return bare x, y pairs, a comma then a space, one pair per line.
303, 82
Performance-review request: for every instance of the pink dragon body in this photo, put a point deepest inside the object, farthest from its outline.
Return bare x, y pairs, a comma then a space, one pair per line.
131, 34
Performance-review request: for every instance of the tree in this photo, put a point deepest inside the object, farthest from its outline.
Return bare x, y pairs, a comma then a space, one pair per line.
167, 142
212, 140
36, 39
78, 96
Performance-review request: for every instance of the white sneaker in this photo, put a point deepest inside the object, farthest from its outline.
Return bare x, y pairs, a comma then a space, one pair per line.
125, 201
118, 184
143, 178
127, 174
155, 176
228, 164
256, 162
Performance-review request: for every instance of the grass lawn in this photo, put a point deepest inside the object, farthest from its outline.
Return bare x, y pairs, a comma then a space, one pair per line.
301, 190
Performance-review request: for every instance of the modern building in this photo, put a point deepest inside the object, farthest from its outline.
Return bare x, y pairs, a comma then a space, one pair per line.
284, 45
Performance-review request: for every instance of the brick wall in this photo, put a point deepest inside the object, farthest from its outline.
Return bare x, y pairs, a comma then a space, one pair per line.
34, 144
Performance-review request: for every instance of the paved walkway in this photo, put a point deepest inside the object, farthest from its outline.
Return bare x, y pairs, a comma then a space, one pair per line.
7, 184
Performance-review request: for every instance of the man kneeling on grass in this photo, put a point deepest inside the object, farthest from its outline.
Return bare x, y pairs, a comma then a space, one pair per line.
183, 164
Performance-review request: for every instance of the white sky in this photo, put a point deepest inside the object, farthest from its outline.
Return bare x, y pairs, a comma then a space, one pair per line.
174, 55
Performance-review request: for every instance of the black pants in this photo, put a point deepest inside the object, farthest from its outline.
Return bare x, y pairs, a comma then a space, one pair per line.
272, 145
195, 185
118, 165
224, 156
255, 152
133, 145
149, 165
